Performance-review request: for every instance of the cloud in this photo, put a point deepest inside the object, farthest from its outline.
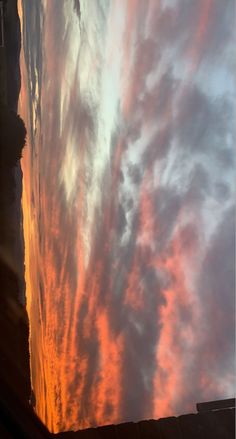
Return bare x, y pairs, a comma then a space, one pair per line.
216, 283
211, 373
134, 227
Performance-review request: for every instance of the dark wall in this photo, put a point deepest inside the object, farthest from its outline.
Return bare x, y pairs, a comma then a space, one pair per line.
218, 424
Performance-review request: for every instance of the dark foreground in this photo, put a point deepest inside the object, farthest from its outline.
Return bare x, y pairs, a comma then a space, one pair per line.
19, 421
14, 326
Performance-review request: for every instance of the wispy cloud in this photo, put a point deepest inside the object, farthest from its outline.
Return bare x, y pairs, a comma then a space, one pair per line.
130, 238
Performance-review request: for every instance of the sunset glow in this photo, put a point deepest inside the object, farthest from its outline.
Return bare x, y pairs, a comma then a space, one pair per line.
128, 201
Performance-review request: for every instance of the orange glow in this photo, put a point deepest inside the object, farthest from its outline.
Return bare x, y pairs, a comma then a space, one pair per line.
174, 338
106, 395
134, 293
147, 230
129, 87
74, 283
197, 44
134, 296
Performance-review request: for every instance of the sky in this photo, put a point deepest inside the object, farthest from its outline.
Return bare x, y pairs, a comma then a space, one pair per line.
128, 206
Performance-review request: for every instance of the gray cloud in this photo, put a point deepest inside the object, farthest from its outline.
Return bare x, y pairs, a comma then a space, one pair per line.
215, 350
198, 123
202, 122
134, 173
216, 284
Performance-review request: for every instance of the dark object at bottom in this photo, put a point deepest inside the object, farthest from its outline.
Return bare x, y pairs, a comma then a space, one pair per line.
18, 420
218, 423
215, 405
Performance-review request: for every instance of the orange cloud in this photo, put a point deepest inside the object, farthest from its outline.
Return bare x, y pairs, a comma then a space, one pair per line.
106, 392
177, 338
77, 356
198, 41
